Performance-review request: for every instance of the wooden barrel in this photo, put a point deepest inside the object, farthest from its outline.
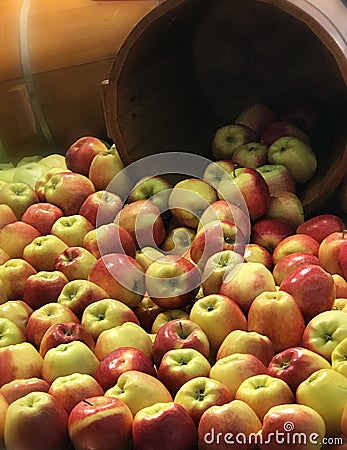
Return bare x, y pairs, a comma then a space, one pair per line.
54, 55
202, 62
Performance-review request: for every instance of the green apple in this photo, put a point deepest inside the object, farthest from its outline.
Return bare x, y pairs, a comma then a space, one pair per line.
66, 359
29, 173
18, 196
10, 333
28, 160
326, 392
228, 137
72, 229
339, 357
128, 334
216, 308
104, 314
43, 250
201, 393
262, 392
297, 156
139, 390
7, 171
252, 154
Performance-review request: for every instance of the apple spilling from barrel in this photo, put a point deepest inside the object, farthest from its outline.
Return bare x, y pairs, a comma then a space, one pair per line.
144, 313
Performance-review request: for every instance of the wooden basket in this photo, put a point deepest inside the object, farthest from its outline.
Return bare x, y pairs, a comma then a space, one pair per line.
54, 55
190, 66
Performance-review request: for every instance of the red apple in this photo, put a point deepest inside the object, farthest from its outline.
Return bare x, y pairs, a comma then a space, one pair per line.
289, 263
249, 184
342, 260
303, 114
215, 237
103, 170
277, 316
217, 268
71, 389
223, 210
62, 333
312, 288
41, 319
146, 312
235, 368
233, 424
319, 227
6, 215
78, 294
16, 236
18, 388
172, 282
295, 364
19, 361
101, 207
251, 342
296, 427
68, 190
122, 276
119, 361
13, 274
245, 282
109, 238
181, 365
280, 128
166, 316
269, 232
100, 422
257, 117
80, 154
295, 243
155, 426
75, 263
179, 333
27, 417
42, 216
143, 221
278, 178
329, 250
43, 287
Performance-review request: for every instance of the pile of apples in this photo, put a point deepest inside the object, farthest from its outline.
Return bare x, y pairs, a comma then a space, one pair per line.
208, 313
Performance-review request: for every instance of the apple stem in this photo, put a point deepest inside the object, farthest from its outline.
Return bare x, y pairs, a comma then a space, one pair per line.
88, 403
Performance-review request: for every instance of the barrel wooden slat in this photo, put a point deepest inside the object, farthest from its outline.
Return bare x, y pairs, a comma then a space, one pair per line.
70, 48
